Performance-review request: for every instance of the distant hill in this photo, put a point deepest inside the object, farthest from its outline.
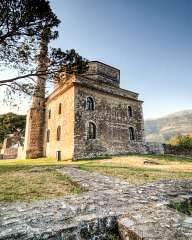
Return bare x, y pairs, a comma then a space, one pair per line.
162, 129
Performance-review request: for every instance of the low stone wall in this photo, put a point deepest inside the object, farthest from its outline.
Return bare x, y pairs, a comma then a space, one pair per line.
21, 154
159, 148
175, 150
10, 153
154, 148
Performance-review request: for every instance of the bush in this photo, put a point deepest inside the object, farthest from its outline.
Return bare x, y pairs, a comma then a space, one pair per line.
181, 141
11, 123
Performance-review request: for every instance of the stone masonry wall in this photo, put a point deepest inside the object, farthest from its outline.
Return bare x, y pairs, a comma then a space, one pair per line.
10, 153
176, 150
154, 148
112, 122
103, 73
65, 120
34, 143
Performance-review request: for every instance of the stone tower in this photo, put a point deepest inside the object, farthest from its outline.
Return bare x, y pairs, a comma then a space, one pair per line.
34, 135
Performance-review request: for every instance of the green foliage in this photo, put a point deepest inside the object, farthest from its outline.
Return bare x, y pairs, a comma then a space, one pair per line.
25, 25
112, 237
181, 141
21, 25
11, 123
183, 207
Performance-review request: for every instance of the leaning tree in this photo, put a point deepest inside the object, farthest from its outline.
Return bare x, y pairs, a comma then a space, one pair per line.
23, 25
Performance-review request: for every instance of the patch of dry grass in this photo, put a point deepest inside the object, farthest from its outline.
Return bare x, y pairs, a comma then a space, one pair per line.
32, 162
138, 162
133, 170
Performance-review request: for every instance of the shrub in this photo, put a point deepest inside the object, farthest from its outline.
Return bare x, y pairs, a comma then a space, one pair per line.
184, 141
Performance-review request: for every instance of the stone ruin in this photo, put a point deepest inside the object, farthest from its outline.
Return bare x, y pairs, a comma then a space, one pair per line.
110, 210
11, 144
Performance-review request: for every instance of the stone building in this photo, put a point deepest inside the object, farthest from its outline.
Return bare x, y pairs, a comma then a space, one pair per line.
87, 116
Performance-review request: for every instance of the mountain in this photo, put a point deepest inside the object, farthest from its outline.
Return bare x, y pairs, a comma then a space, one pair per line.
162, 129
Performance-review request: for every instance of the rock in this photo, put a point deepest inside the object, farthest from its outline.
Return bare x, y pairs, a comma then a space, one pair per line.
151, 162
38, 169
139, 212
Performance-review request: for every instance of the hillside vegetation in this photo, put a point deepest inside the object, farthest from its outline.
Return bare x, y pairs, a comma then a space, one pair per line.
162, 129
11, 123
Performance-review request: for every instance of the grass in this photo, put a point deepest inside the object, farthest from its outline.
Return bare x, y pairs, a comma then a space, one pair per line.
20, 182
112, 237
183, 207
29, 180
28, 163
132, 169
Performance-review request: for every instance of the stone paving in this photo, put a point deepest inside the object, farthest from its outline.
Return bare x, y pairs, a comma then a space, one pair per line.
137, 212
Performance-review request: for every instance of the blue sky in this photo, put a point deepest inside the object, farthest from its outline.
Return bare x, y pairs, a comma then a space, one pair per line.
150, 41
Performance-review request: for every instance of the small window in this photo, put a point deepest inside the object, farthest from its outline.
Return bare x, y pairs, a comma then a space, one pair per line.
90, 104
130, 112
49, 114
92, 131
48, 135
58, 133
131, 134
60, 107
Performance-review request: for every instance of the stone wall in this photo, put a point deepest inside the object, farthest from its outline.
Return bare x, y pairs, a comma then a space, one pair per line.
154, 148
103, 73
34, 136
21, 153
176, 150
10, 153
65, 120
112, 123
159, 148
110, 205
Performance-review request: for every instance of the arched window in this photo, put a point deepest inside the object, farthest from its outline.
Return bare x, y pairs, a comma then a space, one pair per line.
92, 131
90, 105
131, 134
48, 135
58, 133
130, 112
60, 107
49, 114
